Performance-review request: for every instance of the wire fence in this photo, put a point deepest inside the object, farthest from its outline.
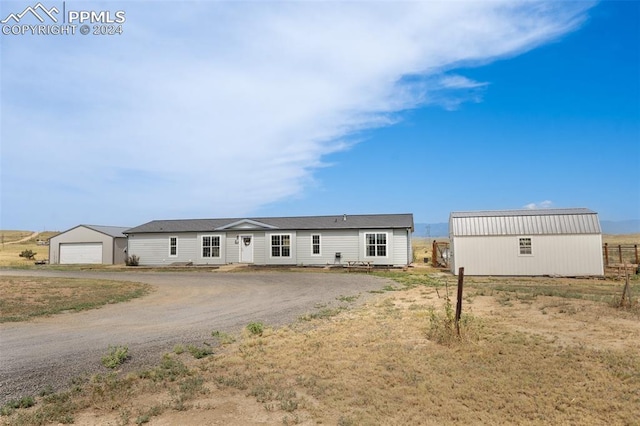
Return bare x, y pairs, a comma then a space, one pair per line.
617, 254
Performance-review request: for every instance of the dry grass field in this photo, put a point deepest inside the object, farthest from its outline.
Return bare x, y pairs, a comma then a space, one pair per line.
532, 351
24, 298
10, 250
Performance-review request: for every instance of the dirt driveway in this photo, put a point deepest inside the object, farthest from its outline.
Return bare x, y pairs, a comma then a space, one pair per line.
184, 308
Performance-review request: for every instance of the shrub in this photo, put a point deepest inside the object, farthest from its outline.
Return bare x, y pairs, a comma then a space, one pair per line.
28, 254
199, 352
255, 328
116, 356
223, 338
132, 260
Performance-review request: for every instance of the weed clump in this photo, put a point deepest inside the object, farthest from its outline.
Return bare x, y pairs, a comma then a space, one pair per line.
117, 356
255, 328
442, 326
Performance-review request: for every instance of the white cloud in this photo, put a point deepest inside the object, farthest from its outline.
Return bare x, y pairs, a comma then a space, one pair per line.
217, 108
546, 204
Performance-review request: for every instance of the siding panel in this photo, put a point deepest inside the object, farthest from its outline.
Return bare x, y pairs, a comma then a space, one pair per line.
153, 249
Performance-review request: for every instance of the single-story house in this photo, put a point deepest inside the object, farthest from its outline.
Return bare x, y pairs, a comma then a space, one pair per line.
383, 239
91, 244
564, 242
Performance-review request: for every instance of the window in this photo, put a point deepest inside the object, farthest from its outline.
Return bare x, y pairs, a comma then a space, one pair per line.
281, 246
173, 246
315, 244
525, 246
376, 245
210, 246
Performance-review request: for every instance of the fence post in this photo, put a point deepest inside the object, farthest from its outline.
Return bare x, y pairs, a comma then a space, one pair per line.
635, 246
459, 303
606, 254
434, 254
620, 252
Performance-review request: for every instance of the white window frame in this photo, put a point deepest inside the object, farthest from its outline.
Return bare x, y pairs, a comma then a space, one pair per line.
219, 237
271, 246
520, 246
319, 253
171, 246
386, 244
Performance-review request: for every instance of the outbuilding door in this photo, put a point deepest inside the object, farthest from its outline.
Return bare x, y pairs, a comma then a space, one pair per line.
80, 253
246, 248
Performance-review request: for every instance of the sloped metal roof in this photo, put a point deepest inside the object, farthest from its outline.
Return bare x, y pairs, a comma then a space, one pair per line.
376, 221
114, 231
524, 222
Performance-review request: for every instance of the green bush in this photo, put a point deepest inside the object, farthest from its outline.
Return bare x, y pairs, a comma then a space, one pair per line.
199, 352
255, 328
28, 254
116, 356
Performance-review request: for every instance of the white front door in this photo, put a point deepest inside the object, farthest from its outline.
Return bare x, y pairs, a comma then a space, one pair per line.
246, 248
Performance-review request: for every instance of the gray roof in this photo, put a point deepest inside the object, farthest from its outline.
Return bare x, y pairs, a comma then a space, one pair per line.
375, 221
524, 222
114, 231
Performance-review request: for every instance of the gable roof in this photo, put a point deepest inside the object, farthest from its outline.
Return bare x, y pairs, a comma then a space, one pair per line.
524, 222
114, 231
374, 221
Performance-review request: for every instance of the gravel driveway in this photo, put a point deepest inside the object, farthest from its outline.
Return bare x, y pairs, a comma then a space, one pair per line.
184, 308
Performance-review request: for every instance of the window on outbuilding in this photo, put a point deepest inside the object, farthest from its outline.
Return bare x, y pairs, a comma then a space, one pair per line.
525, 246
376, 244
281, 245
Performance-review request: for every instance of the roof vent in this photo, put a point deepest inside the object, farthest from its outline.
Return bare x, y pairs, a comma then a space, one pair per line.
344, 217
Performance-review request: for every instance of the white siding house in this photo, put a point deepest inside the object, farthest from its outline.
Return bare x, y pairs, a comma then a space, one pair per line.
311, 240
564, 242
89, 244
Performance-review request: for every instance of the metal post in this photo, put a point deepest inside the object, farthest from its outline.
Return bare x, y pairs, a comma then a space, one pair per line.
606, 254
459, 304
620, 252
635, 246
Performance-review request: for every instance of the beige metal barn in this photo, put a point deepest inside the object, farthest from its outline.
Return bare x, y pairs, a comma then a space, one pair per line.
562, 242
89, 244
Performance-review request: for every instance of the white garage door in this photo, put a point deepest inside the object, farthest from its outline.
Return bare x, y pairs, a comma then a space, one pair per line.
81, 253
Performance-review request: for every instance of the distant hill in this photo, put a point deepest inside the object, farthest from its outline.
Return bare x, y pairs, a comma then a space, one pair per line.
431, 230
620, 227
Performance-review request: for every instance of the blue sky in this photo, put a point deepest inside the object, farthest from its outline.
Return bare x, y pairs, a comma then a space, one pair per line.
231, 109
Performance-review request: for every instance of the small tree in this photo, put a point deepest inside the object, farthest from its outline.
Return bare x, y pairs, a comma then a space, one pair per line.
28, 254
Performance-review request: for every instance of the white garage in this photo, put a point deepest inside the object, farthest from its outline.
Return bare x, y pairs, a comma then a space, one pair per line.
80, 253
89, 244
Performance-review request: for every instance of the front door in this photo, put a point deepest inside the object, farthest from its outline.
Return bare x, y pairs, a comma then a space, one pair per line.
246, 248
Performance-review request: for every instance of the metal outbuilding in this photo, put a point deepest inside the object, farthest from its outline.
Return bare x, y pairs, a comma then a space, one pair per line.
89, 244
564, 242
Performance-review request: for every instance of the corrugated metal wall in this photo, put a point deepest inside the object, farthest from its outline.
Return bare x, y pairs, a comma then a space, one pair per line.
564, 255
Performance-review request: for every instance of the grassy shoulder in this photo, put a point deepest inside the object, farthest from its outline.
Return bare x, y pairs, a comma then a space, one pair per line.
525, 360
24, 298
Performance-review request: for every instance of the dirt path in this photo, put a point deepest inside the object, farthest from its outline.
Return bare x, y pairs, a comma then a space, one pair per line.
22, 240
185, 308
